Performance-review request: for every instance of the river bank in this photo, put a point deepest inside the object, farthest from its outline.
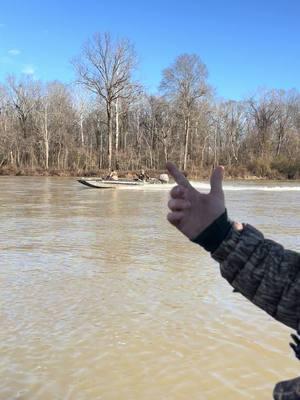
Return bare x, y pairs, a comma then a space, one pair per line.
230, 173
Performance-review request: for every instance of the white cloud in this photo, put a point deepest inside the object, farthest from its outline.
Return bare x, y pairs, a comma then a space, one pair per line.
14, 52
28, 69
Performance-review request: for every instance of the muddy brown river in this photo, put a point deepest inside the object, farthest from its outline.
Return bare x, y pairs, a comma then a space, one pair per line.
100, 298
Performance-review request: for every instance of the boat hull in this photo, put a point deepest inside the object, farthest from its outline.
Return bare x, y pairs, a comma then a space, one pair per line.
109, 184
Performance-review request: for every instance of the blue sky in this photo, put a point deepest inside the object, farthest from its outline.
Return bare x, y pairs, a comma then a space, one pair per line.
245, 44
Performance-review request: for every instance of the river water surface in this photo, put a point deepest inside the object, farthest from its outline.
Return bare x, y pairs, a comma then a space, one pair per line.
100, 298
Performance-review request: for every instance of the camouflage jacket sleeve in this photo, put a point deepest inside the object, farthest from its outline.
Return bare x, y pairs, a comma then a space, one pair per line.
263, 271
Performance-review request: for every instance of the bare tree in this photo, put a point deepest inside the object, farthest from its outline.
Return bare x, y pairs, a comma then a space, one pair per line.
24, 97
264, 113
105, 68
161, 123
185, 83
287, 104
82, 104
56, 117
232, 120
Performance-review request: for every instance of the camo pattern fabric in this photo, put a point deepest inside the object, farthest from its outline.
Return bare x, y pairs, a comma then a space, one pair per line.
269, 276
287, 390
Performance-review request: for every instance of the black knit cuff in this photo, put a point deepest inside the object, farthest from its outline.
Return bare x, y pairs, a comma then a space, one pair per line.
211, 238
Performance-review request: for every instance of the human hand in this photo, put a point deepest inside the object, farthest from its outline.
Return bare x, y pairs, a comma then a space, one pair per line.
192, 211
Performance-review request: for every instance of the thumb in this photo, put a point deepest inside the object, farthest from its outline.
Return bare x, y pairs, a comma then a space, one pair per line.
216, 180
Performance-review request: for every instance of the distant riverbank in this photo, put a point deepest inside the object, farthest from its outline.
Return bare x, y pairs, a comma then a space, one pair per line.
241, 173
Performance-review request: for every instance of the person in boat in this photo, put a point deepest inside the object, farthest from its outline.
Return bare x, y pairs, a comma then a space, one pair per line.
258, 268
113, 175
142, 176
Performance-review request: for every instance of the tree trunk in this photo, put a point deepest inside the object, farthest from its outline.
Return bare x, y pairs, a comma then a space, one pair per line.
46, 154
46, 138
101, 152
58, 156
279, 141
117, 134
165, 147
81, 130
109, 127
186, 141
203, 151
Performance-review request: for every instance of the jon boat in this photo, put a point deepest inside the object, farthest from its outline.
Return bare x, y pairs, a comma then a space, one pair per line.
99, 183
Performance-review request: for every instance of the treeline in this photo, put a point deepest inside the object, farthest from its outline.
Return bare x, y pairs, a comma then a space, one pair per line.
107, 120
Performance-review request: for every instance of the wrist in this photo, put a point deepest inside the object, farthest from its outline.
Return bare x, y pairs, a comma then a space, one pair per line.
211, 238
238, 226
